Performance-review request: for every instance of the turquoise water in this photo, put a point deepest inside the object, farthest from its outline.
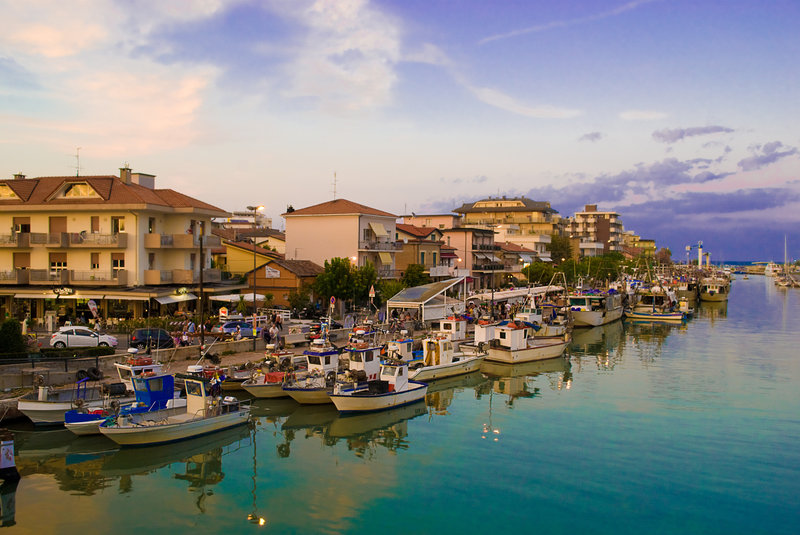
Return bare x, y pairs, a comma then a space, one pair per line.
691, 428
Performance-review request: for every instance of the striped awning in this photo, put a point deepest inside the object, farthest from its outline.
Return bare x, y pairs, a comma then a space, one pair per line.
378, 229
386, 259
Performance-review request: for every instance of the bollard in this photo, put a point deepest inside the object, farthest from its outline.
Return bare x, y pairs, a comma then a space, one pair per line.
8, 468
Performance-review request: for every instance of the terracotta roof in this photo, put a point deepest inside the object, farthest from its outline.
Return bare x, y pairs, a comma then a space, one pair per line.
38, 191
301, 268
514, 248
420, 232
225, 233
261, 233
340, 207
247, 246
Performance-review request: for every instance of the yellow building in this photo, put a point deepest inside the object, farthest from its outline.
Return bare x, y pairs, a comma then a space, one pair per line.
114, 240
519, 214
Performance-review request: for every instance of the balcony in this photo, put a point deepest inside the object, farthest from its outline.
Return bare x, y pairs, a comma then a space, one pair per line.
49, 239
16, 276
46, 276
374, 245
440, 271
95, 277
179, 241
491, 266
153, 277
18, 239
95, 240
385, 273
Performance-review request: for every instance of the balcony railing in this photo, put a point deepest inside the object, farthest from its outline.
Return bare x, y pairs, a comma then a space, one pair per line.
46, 276
179, 241
114, 277
374, 245
84, 239
16, 276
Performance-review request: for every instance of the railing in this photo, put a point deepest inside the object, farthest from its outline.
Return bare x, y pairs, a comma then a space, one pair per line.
60, 276
374, 245
38, 238
8, 239
114, 276
385, 273
98, 240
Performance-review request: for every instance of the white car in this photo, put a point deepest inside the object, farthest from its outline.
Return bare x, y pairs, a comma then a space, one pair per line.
81, 337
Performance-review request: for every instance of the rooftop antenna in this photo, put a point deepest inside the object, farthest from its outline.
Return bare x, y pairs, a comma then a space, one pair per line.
334, 185
78, 161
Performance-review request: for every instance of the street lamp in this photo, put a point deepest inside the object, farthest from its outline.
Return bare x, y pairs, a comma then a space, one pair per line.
255, 210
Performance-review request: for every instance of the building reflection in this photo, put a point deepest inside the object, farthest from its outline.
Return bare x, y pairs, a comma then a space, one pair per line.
648, 338
601, 344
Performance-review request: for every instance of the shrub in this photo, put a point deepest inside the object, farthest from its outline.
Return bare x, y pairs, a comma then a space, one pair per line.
11, 339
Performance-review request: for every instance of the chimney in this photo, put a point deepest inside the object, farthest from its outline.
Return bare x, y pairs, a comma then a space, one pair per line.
143, 179
125, 174
19, 176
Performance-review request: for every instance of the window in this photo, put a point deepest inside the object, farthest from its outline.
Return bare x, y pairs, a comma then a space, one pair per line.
95, 224
22, 224
151, 225
355, 357
434, 258
22, 260
327, 360
95, 261
117, 225
151, 260
58, 261
399, 372
79, 190
368, 356
422, 257
117, 262
194, 388
313, 360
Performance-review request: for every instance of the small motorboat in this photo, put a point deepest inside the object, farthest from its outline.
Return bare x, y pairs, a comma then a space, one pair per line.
392, 389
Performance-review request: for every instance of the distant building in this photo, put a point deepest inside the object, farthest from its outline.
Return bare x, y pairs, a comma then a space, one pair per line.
345, 229
280, 278
476, 255
593, 226
420, 245
440, 221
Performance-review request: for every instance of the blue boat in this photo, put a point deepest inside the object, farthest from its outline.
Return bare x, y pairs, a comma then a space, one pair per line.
154, 392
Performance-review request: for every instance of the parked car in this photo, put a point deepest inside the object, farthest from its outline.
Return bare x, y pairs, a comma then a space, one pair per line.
229, 328
155, 338
315, 329
72, 336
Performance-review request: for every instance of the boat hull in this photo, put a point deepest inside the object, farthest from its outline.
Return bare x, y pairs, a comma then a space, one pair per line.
265, 391
348, 403
143, 435
656, 316
539, 350
88, 427
713, 297
595, 318
308, 396
52, 412
429, 373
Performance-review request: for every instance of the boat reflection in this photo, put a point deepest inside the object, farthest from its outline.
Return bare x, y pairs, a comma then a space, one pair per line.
442, 391
597, 339
713, 310
520, 380
648, 337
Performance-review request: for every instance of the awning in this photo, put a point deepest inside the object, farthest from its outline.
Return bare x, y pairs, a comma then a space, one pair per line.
526, 258
493, 258
545, 257
168, 299
447, 254
386, 259
480, 256
378, 229
234, 298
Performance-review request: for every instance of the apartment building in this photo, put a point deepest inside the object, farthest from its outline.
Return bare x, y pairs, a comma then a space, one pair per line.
115, 240
597, 227
476, 255
344, 229
420, 245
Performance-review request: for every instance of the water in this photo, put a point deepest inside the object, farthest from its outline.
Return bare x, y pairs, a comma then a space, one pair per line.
644, 428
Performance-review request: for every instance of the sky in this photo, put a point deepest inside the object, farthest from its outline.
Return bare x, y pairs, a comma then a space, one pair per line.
680, 115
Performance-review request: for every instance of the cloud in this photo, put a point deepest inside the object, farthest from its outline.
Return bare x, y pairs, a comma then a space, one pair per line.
347, 57
565, 23
766, 155
479, 179
505, 102
674, 135
592, 136
642, 115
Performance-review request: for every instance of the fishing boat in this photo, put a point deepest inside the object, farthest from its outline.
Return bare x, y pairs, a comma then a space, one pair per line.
323, 365
267, 382
440, 360
593, 308
655, 304
205, 412
153, 392
715, 288
392, 389
513, 342
46, 405
552, 317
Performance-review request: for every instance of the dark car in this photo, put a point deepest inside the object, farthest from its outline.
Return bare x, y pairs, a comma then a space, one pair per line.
155, 338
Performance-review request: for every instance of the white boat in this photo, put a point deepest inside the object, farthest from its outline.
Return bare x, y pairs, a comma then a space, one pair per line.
46, 406
513, 342
393, 389
204, 413
593, 309
439, 360
655, 304
313, 386
715, 289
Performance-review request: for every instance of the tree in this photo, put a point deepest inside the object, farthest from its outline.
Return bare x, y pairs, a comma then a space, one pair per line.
363, 279
299, 299
11, 339
386, 289
664, 256
335, 280
415, 276
559, 247
538, 272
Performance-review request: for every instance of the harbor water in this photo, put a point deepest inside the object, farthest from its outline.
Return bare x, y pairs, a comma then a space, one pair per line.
642, 428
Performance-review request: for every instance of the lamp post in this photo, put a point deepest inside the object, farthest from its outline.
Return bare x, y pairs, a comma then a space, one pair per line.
255, 210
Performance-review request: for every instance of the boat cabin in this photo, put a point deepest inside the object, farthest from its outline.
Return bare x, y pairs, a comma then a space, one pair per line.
200, 403
591, 302
513, 335
155, 391
396, 375
401, 349
366, 360
454, 328
136, 366
437, 350
323, 360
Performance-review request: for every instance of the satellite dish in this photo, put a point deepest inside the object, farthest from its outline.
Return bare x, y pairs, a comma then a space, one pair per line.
405, 241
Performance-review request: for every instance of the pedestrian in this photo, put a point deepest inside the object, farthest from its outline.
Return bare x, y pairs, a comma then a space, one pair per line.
275, 335
191, 327
237, 335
